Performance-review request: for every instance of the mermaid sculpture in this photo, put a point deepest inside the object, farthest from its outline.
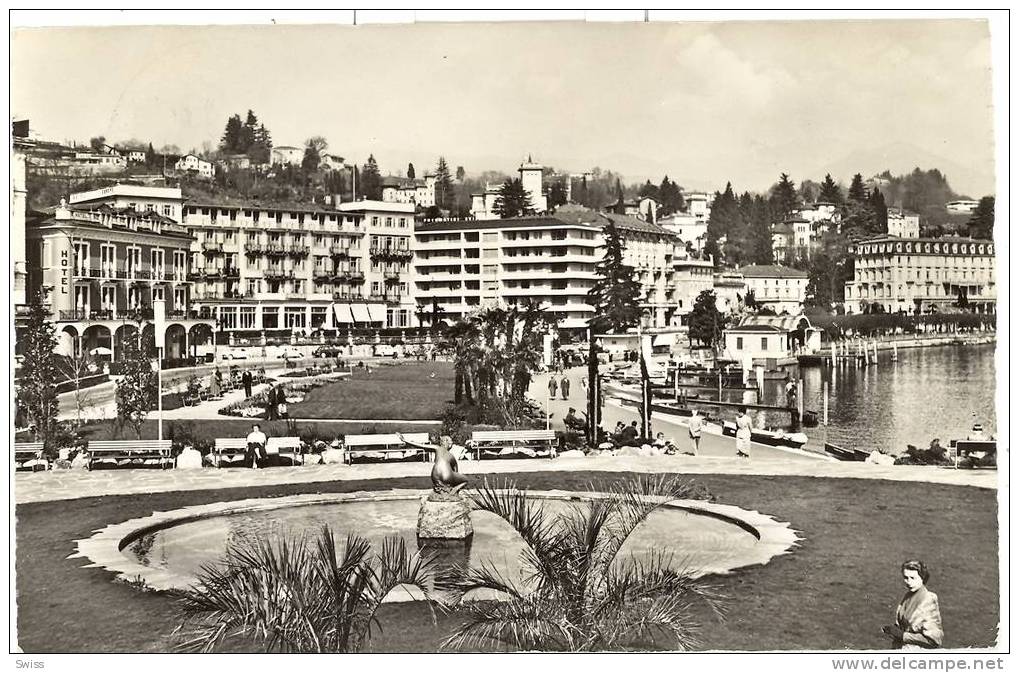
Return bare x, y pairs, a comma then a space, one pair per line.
446, 480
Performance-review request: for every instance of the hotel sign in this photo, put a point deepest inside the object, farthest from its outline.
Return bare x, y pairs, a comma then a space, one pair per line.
65, 271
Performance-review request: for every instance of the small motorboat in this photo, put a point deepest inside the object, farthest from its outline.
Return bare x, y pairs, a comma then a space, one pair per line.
844, 454
792, 440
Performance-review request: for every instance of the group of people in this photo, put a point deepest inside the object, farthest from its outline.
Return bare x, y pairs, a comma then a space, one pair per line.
276, 403
555, 386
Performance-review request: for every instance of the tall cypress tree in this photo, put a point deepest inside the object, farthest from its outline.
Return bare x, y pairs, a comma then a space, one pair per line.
410, 171
880, 210
36, 395
759, 244
370, 183
725, 221
445, 196
981, 222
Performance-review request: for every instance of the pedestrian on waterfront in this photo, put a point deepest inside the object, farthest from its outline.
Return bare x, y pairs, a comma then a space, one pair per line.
696, 426
246, 382
565, 388
744, 428
270, 404
281, 401
790, 393
553, 386
918, 615
215, 383
255, 443
583, 385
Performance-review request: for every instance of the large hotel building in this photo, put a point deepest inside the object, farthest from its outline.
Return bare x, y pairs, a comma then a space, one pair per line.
303, 269
922, 273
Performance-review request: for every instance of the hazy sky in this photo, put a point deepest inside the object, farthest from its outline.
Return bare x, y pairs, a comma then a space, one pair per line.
704, 102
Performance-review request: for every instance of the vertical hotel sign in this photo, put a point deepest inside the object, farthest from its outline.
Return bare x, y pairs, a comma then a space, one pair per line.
65, 269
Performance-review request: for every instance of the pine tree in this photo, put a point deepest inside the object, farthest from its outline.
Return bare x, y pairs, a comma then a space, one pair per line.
445, 196
759, 243
410, 171
355, 179
725, 221
784, 200
36, 394
230, 142
248, 132
313, 149
705, 320
981, 222
671, 197
857, 190
370, 180
830, 191
460, 174
136, 391
615, 294
648, 189
557, 194
150, 156
513, 199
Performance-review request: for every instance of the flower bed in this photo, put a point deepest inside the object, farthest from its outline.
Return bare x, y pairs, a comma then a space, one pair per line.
254, 406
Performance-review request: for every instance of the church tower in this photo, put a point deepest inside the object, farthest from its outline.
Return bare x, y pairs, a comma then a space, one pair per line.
530, 178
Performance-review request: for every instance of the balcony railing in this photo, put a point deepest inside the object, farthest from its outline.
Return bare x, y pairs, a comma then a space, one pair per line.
339, 250
254, 248
277, 273
232, 272
275, 250
298, 250
212, 246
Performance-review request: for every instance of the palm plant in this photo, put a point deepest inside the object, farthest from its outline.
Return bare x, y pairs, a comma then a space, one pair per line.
581, 593
461, 341
292, 596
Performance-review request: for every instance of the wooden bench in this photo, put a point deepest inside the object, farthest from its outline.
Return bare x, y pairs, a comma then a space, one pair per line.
229, 451
965, 449
289, 447
26, 452
130, 453
381, 445
506, 442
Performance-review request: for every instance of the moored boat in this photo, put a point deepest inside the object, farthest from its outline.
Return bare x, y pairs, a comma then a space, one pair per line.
792, 440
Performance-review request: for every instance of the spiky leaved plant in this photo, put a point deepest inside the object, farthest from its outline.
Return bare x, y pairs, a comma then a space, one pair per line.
288, 595
580, 593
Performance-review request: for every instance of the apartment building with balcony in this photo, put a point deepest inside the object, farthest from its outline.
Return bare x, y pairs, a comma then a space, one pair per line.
925, 274
463, 265
102, 268
165, 201
302, 269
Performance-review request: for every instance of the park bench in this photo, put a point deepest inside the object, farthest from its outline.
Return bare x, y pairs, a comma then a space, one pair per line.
130, 453
532, 443
382, 446
975, 453
26, 452
288, 447
229, 451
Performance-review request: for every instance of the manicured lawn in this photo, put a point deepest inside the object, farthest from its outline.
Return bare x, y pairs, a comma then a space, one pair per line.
208, 429
403, 390
834, 592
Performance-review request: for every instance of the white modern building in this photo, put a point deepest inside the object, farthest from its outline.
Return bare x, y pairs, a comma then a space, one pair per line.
192, 163
780, 288
903, 223
923, 274
763, 338
729, 288
462, 265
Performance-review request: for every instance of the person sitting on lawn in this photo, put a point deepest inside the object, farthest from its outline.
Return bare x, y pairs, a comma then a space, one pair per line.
255, 441
573, 422
629, 434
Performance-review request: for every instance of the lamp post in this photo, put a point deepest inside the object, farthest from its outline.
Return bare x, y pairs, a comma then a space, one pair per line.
645, 379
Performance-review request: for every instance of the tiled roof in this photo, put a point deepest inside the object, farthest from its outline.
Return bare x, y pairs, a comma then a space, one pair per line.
771, 271
630, 223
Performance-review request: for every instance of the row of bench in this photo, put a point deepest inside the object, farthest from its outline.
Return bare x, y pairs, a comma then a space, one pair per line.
233, 450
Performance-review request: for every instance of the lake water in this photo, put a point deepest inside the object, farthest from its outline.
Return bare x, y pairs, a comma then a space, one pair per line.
937, 392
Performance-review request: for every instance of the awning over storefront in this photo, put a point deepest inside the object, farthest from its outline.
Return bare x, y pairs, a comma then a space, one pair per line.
662, 340
342, 314
377, 312
360, 312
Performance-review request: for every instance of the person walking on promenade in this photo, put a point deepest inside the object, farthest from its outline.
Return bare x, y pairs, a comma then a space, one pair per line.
270, 404
281, 401
918, 615
553, 386
255, 443
696, 426
216, 384
565, 387
246, 382
744, 427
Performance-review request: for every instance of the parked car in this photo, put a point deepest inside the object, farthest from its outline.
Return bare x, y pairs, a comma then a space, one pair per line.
385, 351
291, 354
327, 352
235, 355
